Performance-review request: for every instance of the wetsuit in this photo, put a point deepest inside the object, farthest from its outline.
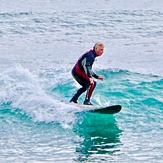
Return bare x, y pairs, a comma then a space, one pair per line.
82, 71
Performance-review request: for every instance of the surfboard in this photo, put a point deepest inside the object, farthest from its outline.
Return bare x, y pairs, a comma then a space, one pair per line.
100, 109
108, 109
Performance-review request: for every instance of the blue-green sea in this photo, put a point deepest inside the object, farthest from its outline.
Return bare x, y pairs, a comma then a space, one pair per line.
40, 41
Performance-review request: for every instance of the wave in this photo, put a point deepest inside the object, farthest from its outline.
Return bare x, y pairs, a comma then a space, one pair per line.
39, 95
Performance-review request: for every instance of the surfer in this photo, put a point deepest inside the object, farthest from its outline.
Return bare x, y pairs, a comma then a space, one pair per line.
83, 74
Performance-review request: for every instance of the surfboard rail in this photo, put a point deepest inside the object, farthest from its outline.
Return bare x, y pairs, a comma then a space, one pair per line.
112, 109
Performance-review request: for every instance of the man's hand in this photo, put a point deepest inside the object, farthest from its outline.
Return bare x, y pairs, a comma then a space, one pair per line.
92, 81
101, 78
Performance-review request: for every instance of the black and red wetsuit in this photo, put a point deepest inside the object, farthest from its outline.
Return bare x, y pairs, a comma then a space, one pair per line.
82, 72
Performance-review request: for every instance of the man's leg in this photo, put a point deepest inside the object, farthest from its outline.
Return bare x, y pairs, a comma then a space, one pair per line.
84, 83
76, 96
89, 93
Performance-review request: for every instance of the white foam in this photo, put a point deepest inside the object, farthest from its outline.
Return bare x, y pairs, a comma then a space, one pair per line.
25, 91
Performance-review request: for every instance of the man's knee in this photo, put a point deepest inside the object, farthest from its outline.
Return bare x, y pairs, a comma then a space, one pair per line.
94, 84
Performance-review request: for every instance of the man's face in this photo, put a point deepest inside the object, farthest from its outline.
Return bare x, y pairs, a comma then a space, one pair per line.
99, 50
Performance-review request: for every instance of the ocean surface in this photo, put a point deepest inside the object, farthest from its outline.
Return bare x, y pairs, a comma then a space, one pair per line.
40, 41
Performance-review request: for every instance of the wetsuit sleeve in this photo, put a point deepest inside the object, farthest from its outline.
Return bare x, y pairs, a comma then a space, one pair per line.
87, 65
94, 75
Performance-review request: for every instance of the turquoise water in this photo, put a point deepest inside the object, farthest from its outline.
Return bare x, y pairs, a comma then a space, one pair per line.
36, 126
40, 43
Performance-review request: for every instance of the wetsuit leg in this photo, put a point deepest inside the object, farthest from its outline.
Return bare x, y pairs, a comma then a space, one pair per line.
90, 90
85, 85
78, 93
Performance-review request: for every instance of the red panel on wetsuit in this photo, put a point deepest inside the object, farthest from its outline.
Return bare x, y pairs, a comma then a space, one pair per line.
80, 72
